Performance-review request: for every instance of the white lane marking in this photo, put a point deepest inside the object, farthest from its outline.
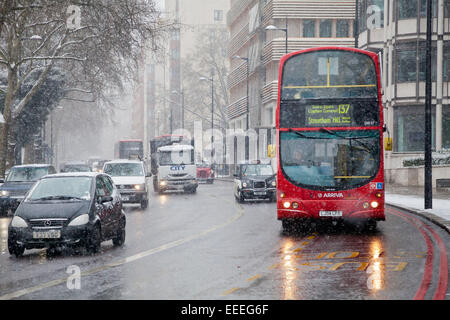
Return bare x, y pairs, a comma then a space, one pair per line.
129, 259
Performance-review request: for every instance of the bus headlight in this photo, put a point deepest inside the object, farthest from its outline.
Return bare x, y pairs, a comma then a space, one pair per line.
366, 205
287, 204
282, 195
294, 205
374, 204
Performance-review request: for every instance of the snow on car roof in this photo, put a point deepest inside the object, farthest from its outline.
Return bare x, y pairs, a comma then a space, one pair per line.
123, 161
35, 165
72, 174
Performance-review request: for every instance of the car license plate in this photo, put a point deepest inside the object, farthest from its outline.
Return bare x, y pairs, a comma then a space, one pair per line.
330, 213
260, 193
125, 198
51, 234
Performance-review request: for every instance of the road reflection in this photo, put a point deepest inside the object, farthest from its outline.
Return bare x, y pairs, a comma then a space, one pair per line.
290, 271
4, 222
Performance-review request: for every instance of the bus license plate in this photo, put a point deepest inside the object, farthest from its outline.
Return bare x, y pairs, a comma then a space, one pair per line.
52, 234
330, 213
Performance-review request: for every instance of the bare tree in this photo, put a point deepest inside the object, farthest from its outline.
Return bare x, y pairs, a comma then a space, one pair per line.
98, 43
208, 59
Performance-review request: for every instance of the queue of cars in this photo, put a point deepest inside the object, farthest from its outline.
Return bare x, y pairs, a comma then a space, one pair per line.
74, 208
81, 208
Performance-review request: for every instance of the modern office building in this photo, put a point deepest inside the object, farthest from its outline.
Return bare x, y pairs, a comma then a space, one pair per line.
307, 23
397, 29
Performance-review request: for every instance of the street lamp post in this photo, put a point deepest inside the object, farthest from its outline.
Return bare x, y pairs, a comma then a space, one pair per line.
247, 107
285, 30
212, 112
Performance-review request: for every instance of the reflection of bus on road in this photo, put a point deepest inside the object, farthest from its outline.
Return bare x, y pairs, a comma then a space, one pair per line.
129, 149
330, 131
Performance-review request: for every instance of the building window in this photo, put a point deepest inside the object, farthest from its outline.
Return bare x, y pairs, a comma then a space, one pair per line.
407, 9
406, 65
423, 8
423, 64
342, 29
218, 15
325, 29
446, 127
309, 28
409, 127
269, 117
446, 64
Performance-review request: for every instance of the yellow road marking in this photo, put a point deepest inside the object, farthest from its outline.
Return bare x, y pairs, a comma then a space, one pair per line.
230, 291
254, 278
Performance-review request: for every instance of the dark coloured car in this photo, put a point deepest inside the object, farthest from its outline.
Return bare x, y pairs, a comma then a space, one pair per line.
255, 181
19, 180
205, 173
68, 209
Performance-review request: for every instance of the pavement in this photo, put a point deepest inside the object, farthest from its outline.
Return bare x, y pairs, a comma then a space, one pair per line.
412, 199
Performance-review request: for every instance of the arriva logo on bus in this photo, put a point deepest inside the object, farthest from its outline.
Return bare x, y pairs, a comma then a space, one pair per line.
331, 195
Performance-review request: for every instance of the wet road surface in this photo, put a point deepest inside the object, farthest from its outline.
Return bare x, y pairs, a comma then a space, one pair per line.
207, 246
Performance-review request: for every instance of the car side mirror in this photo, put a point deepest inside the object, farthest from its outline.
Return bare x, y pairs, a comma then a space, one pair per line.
104, 199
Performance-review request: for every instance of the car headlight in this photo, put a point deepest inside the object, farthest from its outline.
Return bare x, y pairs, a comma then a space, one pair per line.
163, 183
18, 222
139, 187
274, 183
4, 193
244, 184
80, 220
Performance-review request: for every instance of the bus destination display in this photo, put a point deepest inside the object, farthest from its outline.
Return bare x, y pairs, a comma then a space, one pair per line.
329, 115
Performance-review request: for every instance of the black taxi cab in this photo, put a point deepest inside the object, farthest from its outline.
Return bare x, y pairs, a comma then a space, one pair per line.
255, 181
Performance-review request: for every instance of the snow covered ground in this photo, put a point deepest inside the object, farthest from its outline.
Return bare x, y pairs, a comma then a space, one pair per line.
441, 207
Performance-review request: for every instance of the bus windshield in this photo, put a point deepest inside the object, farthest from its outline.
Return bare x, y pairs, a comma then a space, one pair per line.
328, 160
329, 74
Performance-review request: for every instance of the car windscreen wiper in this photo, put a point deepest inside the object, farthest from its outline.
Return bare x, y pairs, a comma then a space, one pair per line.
57, 198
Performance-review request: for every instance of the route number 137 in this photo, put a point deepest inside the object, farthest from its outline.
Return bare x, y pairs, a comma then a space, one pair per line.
343, 108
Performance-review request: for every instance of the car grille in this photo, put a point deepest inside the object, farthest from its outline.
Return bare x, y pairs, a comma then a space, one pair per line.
125, 186
17, 193
47, 223
259, 184
178, 175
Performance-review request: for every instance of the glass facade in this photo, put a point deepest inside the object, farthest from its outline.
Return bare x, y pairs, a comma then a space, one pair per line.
325, 29
411, 62
342, 29
409, 127
309, 28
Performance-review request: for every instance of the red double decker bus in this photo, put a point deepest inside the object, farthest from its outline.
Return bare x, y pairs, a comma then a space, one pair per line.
330, 137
